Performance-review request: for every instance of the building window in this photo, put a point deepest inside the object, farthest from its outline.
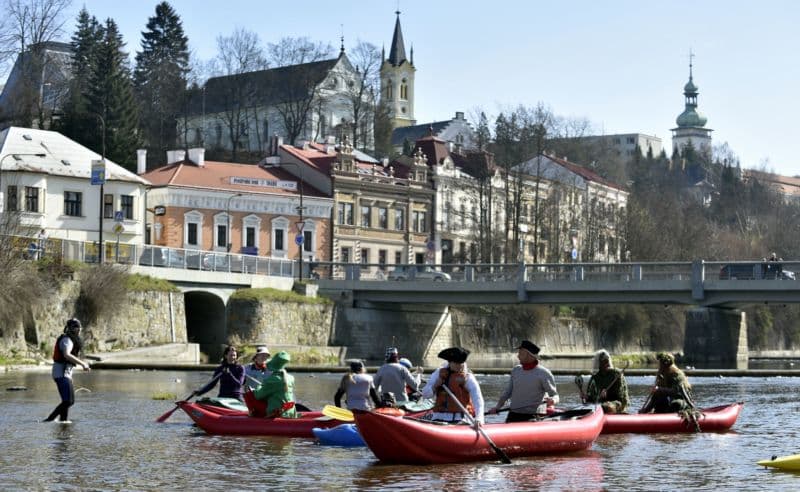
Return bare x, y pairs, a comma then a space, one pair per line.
419, 221
399, 219
222, 236
193, 231
308, 241
344, 255
72, 203
252, 226
389, 90
463, 218
382, 258
250, 237
280, 227
404, 92
364, 257
126, 205
191, 234
631, 140
13, 198
345, 213
31, 199
383, 217
398, 257
366, 212
108, 206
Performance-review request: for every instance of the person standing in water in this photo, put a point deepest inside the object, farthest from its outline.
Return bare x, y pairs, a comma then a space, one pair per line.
65, 357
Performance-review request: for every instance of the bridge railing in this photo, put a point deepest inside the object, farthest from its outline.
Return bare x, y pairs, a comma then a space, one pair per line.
150, 255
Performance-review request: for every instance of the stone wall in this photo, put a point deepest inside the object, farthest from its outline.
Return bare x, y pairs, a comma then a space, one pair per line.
148, 318
280, 323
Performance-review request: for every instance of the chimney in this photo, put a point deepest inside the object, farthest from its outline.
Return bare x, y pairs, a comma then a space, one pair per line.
450, 147
198, 156
175, 156
459, 115
385, 161
302, 144
141, 161
330, 148
275, 143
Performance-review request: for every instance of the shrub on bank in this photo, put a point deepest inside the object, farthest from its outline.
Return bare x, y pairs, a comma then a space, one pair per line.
275, 295
145, 283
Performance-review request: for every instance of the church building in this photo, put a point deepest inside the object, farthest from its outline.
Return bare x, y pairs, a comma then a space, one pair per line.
691, 123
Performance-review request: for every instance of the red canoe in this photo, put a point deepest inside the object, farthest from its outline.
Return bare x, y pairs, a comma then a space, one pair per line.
406, 440
714, 419
218, 420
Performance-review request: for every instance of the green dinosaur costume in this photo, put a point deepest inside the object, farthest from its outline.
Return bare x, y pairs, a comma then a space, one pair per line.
278, 388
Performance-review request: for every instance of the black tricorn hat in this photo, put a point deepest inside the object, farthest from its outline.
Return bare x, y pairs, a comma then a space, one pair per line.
529, 346
454, 354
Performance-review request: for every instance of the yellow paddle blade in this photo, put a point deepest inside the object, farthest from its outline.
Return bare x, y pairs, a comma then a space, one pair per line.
338, 413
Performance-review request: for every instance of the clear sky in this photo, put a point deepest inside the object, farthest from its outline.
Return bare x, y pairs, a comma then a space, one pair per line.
620, 64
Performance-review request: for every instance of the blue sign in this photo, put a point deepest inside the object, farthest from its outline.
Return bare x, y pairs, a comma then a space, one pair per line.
298, 239
98, 172
574, 254
118, 216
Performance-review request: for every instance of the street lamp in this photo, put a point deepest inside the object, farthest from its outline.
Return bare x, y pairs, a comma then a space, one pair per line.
228, 240
300, 210
17, 157
102, 183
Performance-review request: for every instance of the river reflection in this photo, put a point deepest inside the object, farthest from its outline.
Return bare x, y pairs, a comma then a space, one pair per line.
115, 444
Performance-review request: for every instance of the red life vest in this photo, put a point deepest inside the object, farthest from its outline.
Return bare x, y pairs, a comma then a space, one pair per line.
58, 356
456, 381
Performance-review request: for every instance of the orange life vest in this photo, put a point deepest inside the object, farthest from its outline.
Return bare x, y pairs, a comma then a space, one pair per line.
456, 381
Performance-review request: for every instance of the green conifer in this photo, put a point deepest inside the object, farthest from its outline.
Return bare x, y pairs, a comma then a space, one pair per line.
160, 80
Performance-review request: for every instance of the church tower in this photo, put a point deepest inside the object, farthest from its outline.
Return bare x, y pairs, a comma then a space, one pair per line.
397, 80
691, 123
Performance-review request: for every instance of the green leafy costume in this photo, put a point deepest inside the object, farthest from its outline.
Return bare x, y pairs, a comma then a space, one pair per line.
616, 398
278, 388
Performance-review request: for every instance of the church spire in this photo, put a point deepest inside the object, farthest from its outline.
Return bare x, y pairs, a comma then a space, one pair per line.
397, 53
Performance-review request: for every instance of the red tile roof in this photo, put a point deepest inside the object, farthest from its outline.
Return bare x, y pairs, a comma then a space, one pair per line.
585, 173
217, 176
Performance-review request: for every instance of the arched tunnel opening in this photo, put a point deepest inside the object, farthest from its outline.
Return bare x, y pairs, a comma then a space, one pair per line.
205, 323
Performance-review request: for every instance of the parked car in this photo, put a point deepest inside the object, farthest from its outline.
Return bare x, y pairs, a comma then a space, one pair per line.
423, 272
162, 257
755, 271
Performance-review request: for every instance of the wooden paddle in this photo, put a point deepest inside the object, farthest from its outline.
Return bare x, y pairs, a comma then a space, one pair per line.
167, 415
499, 452
338, 413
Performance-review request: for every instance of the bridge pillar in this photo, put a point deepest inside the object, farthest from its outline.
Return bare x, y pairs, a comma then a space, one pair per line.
716, 337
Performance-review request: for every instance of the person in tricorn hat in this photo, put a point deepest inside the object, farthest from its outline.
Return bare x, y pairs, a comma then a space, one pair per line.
672, 391
256, 372
358, 389
278, 389
392, 377
462, 384
531, 388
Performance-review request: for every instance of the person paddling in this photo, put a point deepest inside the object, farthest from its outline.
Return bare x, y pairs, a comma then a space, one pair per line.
672, 391
65, 357
461, 383
358, 388
229, 374
607, 386
256, 372
278, 389
531, 387
393, 377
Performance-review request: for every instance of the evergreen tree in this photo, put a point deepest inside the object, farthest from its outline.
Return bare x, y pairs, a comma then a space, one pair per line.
76, 122
111, 97
160, 80
483, 134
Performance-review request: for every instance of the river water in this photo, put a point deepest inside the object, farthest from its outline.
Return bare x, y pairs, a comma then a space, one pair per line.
114, 443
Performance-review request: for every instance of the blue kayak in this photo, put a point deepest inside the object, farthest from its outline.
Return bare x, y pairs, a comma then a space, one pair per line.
341, 435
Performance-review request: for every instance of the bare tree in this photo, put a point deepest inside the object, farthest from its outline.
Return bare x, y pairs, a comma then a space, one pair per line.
362, 93
296, 87
25, 27
233, 92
